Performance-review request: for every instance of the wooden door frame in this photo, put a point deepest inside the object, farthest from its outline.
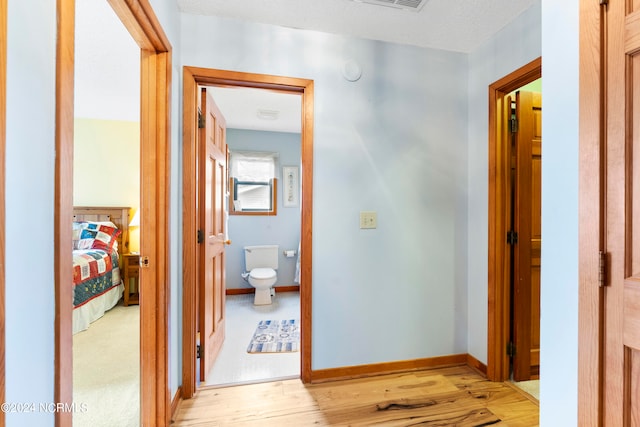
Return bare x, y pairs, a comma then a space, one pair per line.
499, 220
3, 128
590, 214
155, 70
192, 78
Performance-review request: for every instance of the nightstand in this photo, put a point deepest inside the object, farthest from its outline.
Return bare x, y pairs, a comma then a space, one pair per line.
131, 278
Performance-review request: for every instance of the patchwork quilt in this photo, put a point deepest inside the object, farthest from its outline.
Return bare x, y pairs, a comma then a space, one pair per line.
95, 272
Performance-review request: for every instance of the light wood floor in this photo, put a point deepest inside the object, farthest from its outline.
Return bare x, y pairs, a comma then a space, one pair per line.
456, 396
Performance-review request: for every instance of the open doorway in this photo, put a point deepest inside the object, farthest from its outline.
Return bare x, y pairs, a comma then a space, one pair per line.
106, 197
194, 80
514, 218
263, 137
525, 234
155, 73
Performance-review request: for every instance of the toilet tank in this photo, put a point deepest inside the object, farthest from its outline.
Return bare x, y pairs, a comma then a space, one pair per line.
265, 256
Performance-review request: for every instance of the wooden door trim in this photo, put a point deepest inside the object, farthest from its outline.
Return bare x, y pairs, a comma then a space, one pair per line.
498, 271
3, 128
63, 353
590, 212
192, 77
140, 20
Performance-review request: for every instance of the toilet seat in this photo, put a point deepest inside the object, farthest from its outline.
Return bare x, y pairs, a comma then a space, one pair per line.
262, 273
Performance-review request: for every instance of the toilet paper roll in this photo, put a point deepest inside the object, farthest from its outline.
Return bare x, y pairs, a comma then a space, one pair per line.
289, 254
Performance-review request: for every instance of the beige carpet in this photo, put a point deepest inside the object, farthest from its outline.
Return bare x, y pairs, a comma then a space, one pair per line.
106, 370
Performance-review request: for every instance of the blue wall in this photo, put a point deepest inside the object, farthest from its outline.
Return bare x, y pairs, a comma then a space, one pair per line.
29, 193
284, 228
512, 47
394, 142
559, 279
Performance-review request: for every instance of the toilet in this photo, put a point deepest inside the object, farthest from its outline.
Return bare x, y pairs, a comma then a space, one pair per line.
261, 263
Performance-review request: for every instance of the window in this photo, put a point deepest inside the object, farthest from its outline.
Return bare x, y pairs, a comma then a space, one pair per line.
252, 183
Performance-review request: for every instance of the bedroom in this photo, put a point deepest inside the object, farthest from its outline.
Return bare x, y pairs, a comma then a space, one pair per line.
106, 176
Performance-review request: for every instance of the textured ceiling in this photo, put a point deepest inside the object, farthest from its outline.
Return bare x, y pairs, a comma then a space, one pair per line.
456, 25
107, 68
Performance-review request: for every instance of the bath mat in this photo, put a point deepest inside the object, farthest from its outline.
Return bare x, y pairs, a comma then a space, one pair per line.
275, 336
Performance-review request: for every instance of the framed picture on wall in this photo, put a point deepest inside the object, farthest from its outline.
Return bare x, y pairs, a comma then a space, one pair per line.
290, 186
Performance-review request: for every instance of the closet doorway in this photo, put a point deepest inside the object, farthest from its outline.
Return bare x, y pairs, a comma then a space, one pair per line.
514, 238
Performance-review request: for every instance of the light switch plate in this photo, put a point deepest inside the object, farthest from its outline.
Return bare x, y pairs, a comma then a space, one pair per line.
368, 219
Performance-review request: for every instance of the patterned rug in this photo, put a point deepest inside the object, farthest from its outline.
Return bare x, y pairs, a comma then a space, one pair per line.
275, 336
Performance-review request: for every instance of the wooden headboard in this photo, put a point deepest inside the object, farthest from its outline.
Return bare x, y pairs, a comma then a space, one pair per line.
117, 215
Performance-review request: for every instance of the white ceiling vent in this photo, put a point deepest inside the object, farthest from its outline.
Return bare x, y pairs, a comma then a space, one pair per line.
414, 5
267, 114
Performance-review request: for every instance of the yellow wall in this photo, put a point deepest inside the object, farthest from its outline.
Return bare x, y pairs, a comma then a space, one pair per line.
534, 86
106, 169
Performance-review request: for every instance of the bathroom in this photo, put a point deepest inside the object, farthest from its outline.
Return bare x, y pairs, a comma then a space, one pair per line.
279, 226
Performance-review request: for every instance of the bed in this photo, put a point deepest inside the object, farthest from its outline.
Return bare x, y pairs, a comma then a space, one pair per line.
100, 235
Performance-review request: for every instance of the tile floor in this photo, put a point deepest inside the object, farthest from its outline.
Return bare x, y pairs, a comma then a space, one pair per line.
234, 365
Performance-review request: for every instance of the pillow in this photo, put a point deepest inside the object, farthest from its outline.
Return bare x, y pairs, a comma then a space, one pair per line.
105, 236
86, 238
87, 243
84, 224
76, 229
